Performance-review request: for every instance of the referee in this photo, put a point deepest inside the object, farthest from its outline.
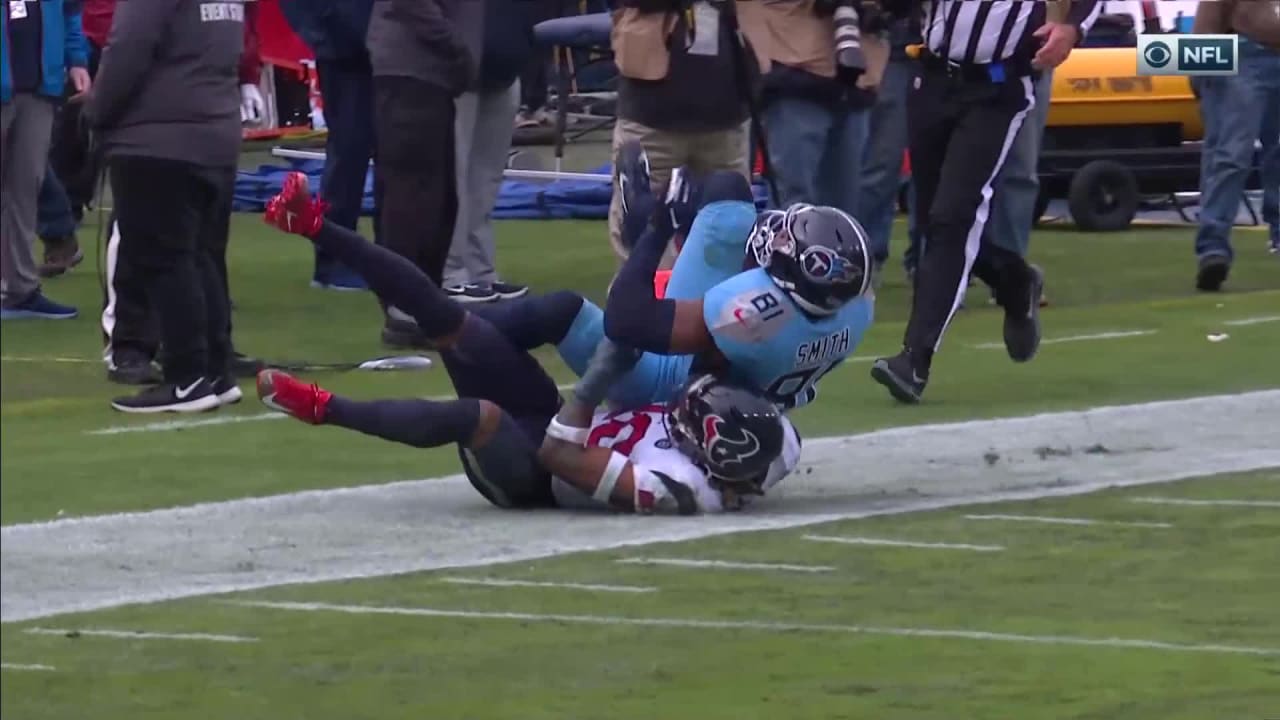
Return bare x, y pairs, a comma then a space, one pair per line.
976, 87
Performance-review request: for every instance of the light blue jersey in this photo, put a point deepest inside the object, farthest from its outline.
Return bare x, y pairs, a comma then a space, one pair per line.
772, 346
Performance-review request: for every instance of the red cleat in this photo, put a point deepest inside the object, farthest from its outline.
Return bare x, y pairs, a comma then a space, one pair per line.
294, 210
282, 392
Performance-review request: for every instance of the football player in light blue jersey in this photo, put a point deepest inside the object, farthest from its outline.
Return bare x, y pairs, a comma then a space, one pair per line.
797, 310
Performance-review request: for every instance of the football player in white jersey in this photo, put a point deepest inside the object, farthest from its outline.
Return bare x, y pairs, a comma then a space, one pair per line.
711, 449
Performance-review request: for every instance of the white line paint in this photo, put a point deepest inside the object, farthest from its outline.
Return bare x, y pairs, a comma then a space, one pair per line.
55, 359
180, 424
766, 626
1252, 320
1068, 521
89, 563
22, 666
724, 564
588, 587
844, 540
1112, 335
138, 635
1206, 503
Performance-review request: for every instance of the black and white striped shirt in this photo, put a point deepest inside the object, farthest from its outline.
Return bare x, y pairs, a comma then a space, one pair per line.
986, 31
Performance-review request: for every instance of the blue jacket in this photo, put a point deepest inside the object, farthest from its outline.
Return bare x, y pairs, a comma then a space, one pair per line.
63, 42
333, 29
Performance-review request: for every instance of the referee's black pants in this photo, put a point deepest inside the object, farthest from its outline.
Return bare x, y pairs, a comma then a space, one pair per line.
960, 132
173, 218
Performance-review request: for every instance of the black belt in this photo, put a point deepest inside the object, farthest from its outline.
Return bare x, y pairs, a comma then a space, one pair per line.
986, 73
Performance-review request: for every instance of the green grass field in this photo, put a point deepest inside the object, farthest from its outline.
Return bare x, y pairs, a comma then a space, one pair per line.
1047, 626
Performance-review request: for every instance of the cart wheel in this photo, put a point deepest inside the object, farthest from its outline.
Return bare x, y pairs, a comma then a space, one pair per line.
1042, 206
1103, 197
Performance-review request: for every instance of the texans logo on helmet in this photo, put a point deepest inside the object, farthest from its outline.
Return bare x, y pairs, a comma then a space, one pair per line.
822, 264
727, 449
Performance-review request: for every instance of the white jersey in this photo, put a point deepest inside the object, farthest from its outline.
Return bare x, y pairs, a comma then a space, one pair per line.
643, 437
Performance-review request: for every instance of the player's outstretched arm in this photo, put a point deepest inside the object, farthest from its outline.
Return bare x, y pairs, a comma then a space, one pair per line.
636, 317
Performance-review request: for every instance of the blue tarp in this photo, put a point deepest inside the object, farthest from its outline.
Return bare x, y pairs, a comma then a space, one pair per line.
559, 200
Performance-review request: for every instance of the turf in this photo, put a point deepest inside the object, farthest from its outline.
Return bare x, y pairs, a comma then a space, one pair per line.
1203, 581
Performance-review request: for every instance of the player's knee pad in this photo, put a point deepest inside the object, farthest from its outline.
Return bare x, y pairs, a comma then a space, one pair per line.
506, 471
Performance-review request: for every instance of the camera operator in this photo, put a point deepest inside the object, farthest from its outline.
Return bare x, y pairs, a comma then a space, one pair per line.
683, 88
817, 92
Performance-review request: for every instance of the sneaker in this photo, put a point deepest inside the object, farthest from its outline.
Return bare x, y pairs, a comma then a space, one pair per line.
471, 293
339, 278
509, 291
60, 256
227, 390
1274, 245
284, 393
294, 210
195, 396
132, 369
38, 306
901, 376
244, 366
1212, 272
637, 201
1022, 318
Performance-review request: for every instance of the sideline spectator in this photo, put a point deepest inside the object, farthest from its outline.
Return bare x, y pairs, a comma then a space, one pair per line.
1234, 109
335, 32
44, 46
56, 228
680, 93
484, 125
424, 53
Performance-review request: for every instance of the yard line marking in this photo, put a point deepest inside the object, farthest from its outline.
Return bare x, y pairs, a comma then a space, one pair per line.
138, 635
723, 564
1252, 320
1112, 335
1223, 503
589, 587
1068, 521
844, 540
763, 625
22, 666
80, 564
55, 359
167, 425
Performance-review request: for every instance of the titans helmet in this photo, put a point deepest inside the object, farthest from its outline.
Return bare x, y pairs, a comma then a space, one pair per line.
818, 255
731, 432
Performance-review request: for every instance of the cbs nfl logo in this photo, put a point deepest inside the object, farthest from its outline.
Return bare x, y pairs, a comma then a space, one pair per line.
1188, 54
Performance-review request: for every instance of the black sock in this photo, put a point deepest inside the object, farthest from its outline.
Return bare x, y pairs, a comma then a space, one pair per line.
420, 423
394, 278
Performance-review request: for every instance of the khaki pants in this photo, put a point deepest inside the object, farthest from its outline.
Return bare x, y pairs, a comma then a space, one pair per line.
26, 127
702, 152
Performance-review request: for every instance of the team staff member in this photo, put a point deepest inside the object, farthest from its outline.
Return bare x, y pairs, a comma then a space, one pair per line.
976, 88
167, 111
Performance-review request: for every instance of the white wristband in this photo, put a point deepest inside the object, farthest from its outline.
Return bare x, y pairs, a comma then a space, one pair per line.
617, 463
566, 433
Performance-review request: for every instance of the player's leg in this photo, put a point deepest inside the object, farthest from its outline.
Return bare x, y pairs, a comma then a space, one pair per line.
716, 243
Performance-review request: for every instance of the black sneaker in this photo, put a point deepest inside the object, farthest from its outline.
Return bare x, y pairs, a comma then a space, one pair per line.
404, 334
244, 366
227, 390
509, 291
1212, 272
471, 293
1022, 318
129, 369
900, 375
195, 396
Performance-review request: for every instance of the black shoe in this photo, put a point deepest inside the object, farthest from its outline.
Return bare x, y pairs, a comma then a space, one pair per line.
244, 367
509, 291
901, 376
227, 390
1213, 272
195, 396
635, 192
404, 335
471, 293
132, 370
1022, 318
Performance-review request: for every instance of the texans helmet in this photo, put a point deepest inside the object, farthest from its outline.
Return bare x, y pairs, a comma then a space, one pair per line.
733, 433
818, 254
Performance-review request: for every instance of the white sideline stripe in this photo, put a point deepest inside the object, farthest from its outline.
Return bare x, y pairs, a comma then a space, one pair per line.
589, 587
724, 564
55, 359
139, 635
167, 425
22, 666
763, 625
1112, 335
81, 564
844, 540
1222, 503
1068, 521
1252, 320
